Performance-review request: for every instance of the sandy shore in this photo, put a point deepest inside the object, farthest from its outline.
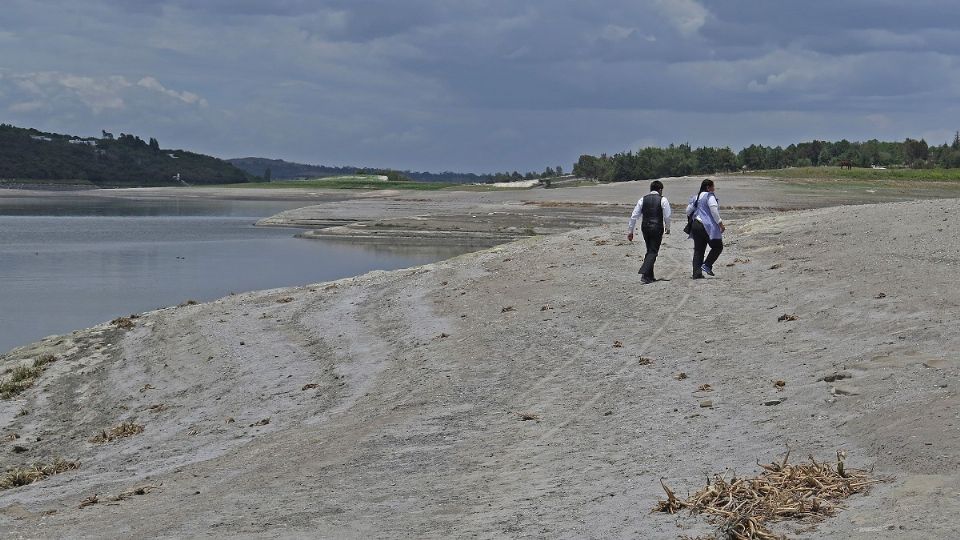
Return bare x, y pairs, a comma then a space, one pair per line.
388, 405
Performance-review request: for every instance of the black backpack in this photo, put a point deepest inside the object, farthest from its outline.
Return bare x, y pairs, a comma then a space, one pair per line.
689, 224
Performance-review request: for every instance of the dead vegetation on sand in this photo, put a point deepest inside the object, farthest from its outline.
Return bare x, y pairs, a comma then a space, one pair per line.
122, 496
125, 323
17, 477
23, 377
124, 429
742, 507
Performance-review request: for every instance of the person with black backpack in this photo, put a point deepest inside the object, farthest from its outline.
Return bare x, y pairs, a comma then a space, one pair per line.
705, 228
653, 212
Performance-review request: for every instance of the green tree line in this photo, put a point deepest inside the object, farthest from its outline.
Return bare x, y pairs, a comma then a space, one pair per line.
682, 160
515, 176
127, 160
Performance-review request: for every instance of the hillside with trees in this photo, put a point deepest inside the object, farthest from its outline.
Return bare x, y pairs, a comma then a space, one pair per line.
31, 156
682, 160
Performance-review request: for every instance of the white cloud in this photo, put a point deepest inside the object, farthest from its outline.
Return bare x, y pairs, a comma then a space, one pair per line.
25, 106
878, 38
614, 32
60, 92
151, 83
777, 70
800, 76
99, 95
878, 120
687, 16
644, 142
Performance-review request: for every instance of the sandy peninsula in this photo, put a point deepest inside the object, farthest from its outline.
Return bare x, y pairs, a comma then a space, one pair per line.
531, 389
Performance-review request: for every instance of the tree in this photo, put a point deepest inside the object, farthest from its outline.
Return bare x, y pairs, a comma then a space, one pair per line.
267, 175
154, 145
559, 170
952, 159
392, 175
825, 157
915, 152
752, 157
589, 166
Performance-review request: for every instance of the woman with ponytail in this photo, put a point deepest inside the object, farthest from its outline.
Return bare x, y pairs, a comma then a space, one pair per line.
706, 228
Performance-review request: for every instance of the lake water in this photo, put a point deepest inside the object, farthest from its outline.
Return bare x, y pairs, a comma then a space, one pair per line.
70, 262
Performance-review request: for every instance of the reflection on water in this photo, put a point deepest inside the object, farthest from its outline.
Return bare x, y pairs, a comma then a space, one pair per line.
66, 266
79, 204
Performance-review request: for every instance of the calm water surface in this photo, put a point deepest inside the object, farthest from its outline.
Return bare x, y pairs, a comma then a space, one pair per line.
72, 262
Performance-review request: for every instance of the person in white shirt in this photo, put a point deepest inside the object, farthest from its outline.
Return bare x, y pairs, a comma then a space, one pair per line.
706, 228
653, 212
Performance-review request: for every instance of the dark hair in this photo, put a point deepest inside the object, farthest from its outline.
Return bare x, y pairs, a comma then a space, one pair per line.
656, 185
705, 185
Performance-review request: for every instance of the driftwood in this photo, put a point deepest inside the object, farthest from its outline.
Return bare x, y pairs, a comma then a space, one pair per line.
742, 507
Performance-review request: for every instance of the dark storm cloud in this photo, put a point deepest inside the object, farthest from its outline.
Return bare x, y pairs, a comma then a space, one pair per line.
482, 85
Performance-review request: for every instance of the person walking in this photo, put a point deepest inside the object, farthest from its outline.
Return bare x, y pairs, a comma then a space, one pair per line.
706, 228
653, 212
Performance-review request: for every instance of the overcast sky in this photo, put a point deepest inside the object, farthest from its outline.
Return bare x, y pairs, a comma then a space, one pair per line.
479, 85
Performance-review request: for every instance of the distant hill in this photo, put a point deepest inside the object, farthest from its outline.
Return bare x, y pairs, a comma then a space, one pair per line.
32, 156
285, 170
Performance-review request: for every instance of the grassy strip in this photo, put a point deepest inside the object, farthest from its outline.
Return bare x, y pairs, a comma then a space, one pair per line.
23, 377
17, 477
345, 183
836, 173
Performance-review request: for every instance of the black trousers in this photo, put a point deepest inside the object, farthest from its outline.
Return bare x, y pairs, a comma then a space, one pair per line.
700, 242
652, 238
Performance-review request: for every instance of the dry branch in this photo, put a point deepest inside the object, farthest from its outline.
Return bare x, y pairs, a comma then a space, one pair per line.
742, 507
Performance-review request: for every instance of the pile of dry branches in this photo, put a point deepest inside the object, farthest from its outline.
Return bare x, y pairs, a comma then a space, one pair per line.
743, 506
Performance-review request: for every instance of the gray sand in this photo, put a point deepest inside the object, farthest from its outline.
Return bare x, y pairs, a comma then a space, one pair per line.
413, 427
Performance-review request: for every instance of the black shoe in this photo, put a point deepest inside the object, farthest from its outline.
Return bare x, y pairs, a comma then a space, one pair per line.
646, 281
698, 276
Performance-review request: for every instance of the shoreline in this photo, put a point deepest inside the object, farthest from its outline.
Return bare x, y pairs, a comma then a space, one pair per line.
395, 399
105, 260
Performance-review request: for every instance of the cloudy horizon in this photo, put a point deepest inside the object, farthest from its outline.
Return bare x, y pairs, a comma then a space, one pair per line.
479, 86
